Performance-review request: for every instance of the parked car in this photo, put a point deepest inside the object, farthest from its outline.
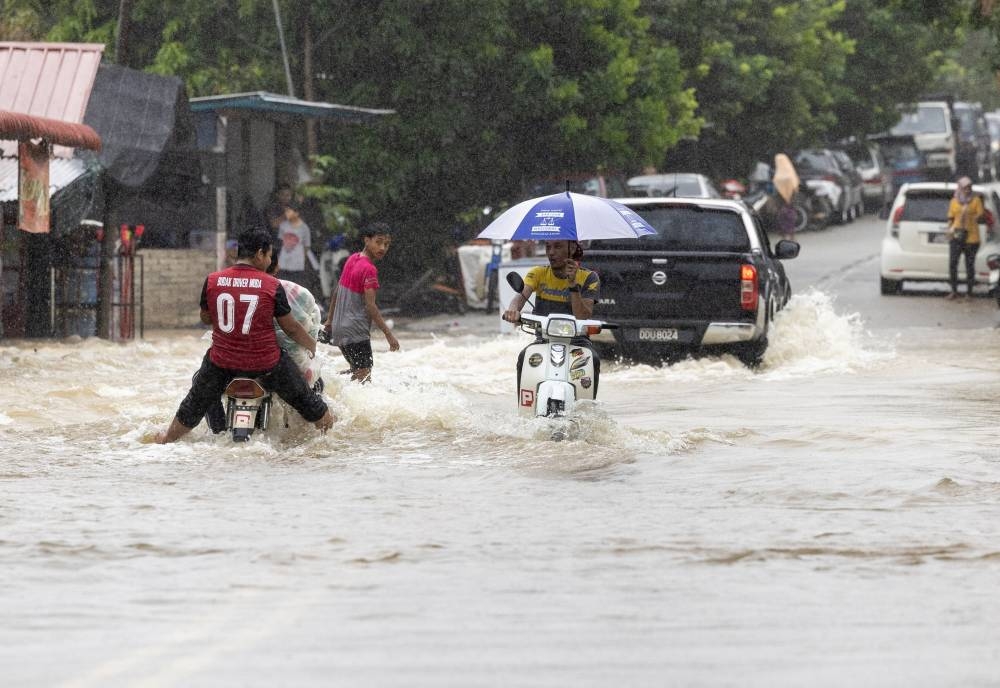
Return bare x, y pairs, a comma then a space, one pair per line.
907, 163
973, 156
708, 280
832, 174
993, 128
605, 185
915, 246
930, 124
686, 184
876, 175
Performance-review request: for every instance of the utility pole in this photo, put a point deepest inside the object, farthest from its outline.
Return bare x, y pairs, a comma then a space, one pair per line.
106, 286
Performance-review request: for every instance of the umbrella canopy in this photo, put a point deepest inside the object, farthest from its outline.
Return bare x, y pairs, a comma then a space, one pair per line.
786, 180
567, 216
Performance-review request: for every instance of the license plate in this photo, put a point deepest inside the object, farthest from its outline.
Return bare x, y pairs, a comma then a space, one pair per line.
937, 237
657, 334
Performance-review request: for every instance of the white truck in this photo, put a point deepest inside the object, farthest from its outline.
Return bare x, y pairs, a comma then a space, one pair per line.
931, 124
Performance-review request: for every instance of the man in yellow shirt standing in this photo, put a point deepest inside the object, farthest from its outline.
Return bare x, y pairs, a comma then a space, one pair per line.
964, 215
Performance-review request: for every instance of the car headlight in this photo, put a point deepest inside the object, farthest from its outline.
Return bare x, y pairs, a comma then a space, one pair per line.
561, 327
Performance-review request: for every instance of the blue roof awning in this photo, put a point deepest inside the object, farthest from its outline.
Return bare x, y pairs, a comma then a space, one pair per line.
281, 106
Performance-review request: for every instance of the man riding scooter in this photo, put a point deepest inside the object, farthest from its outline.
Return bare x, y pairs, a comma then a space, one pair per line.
561, 287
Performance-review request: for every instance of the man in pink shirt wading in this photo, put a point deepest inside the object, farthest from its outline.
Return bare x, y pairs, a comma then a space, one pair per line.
352, 305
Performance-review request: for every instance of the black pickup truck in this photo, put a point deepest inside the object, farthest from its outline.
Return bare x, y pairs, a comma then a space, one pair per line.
709, 280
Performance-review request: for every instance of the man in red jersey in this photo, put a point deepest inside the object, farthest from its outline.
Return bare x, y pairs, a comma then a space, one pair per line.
241, 303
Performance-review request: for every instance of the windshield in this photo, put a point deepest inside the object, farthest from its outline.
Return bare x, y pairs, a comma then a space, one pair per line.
813, 161
900, 152
547, 187
679, 186
685, 228
928, 119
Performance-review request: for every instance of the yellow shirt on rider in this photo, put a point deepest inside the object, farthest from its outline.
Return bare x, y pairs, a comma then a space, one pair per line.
552, 292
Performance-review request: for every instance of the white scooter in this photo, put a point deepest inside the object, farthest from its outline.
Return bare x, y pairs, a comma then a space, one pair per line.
248, 408
556, 371
993, 263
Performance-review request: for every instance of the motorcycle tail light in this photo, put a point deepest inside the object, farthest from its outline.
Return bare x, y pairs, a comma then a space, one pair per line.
748, 287
591, 330
244, 388
988, 218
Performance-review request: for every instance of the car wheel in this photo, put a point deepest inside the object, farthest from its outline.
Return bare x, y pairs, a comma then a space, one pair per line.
890, 287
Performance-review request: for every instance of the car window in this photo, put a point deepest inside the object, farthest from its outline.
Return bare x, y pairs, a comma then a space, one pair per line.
686, 228
926, 206
966, 120
994, 125
924, 120
616, 188
901, 152
812, 161
861, 157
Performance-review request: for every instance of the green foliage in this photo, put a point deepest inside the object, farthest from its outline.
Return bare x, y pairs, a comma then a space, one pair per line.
339, 215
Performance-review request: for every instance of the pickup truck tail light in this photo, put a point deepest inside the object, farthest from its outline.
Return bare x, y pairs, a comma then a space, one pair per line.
748, 287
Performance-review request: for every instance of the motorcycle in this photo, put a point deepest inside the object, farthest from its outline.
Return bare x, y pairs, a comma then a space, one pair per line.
993, 263
248, 408
557, 370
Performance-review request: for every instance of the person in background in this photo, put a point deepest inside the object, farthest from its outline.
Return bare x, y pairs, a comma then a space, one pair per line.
241, 303
274, 211
353, 308
786, 219
296, 244
965, 212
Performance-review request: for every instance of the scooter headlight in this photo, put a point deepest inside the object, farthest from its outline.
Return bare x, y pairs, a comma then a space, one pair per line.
561, 327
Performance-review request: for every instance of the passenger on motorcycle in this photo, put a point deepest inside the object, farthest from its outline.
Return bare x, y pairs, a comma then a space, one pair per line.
561, 287
241, 303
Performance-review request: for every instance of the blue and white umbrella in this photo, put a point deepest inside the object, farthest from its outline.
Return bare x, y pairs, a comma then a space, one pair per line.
567, 216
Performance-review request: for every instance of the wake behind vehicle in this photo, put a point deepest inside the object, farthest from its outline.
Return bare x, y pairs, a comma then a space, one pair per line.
558, 369
915, 245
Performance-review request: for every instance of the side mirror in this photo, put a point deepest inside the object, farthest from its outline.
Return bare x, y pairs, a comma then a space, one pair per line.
515, 281
786, 249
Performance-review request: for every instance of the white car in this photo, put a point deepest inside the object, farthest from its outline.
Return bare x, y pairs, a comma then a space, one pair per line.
915, 246
672, 184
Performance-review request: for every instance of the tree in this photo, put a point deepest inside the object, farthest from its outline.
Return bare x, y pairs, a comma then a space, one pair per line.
766, 76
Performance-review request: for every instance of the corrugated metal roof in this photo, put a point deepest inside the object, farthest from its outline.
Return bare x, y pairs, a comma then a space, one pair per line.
276, 104
47, 80
62, 172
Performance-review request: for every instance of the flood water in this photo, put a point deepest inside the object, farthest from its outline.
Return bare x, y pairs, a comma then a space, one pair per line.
831, 519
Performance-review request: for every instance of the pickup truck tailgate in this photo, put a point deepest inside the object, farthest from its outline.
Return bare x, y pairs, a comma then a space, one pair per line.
654, 286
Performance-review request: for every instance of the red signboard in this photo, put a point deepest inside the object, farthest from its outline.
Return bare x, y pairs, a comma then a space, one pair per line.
33, 187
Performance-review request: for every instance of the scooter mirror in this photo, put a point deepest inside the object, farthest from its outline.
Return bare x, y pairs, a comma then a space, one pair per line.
515, 281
